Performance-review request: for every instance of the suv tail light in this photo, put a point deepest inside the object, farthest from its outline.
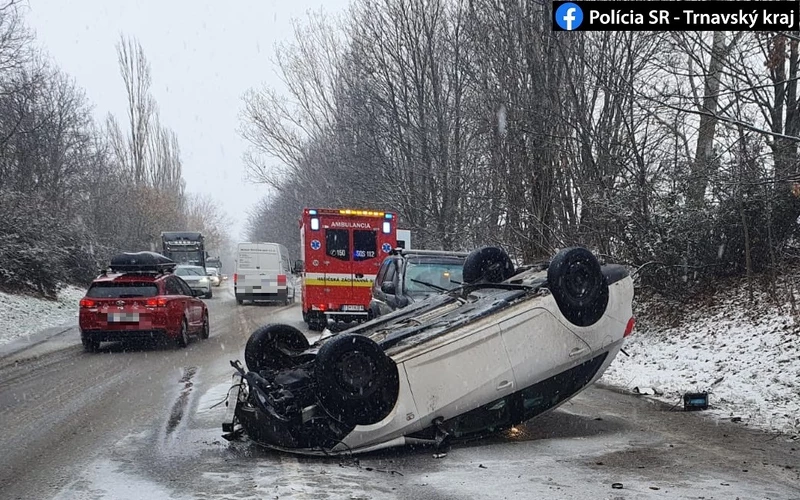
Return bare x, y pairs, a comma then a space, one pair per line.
235, 278
88, 303
156, 302
281, 279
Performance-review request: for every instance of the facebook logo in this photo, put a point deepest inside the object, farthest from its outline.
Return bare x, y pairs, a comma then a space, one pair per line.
569, 16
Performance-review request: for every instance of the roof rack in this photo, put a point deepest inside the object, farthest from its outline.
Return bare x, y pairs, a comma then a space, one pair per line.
141, 263
444, 253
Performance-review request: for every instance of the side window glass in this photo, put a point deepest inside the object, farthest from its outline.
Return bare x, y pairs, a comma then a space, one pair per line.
185, 290
381, 277
391, 272
171, 287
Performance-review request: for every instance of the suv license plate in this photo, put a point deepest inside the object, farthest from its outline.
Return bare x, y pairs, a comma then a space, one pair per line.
352, 308
123, 317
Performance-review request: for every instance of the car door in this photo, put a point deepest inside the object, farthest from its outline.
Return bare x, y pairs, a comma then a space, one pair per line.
539, 346
177, 300
193, 304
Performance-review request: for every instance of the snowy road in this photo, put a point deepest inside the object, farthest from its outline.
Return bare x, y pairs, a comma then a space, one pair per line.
132, 425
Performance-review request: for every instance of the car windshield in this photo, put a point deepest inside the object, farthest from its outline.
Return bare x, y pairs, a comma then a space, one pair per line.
423, 278
122, 290
190, 271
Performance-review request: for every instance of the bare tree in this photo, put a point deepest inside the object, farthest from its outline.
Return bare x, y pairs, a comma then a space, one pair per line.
135, 72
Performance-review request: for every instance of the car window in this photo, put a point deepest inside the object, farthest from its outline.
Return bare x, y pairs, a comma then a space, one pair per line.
173, 287
437, 275
190, 271
337, 243
381, 277
391, 272
122, 290
185, 289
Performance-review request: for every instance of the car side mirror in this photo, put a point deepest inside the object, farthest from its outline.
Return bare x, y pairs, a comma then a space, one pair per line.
388, 288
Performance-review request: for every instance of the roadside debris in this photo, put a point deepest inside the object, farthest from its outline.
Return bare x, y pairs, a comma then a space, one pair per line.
439, 455
617, 486
695, 401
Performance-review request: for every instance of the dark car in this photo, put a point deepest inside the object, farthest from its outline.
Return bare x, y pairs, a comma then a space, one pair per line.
409, 276
139, 298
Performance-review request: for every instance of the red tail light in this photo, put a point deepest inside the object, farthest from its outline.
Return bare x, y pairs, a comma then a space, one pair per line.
629, 327
88, 303
156, 302
322, 307
235, 277
281, 279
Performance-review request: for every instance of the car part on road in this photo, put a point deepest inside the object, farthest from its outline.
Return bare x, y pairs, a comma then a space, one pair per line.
271, 347
693, 401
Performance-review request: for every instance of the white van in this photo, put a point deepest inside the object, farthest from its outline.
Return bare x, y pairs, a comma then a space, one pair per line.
263, 273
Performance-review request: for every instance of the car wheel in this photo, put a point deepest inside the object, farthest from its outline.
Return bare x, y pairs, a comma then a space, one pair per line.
578, 285
210, 294
356, 382
239, 301
206, 331
487, 265
183, 336
90, 345
272, 346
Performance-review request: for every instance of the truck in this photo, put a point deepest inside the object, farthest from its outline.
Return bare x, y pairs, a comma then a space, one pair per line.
341, 251
184, 247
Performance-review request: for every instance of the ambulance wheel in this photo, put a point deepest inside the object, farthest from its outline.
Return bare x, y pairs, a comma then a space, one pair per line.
272, 346
356, 382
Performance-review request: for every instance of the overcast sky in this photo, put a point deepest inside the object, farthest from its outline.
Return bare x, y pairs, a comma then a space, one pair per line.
204, 55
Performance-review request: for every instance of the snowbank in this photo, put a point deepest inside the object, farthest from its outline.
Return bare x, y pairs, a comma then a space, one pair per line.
743, 352
23, 315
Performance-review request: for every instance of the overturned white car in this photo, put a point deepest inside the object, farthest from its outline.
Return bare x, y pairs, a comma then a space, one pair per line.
505, 347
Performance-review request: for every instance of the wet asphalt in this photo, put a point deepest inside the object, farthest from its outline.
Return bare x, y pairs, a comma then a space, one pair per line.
135, 422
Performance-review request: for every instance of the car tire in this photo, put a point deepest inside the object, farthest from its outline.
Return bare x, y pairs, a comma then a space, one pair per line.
239, 301
356, 382
487, 265
578, 285
90, 345
183, 335
210, 294
205, 330
272, 346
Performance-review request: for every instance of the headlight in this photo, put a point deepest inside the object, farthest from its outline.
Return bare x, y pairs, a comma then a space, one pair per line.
203, 280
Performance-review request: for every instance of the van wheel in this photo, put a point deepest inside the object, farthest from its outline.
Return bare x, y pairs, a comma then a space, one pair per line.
487, 265
272, 346
239, 301
356, 382
578, 285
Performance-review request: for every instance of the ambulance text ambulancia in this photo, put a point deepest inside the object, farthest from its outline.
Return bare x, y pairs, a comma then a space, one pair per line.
342, 250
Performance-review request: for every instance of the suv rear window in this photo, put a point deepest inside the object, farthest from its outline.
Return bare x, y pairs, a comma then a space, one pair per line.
122, 290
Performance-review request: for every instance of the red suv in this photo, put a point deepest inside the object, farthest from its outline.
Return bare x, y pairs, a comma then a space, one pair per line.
141, 299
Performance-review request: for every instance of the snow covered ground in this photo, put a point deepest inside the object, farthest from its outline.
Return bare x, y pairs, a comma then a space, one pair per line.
22, 315
745, 353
